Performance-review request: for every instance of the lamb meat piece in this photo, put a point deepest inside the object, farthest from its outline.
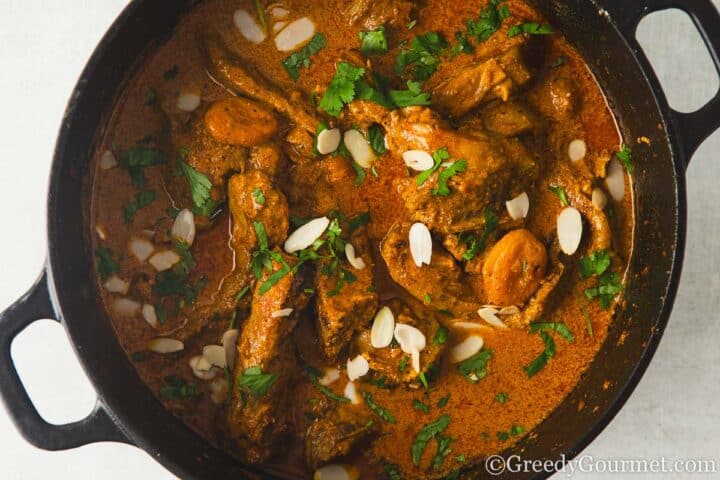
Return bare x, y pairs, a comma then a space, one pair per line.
343, 311
257, 418
337, 435
442, 280
371, 14
509, 119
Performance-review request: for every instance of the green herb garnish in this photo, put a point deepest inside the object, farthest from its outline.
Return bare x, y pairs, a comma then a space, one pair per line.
427, 433
476, 245
341, 90
258, 196
454, 169
443, 401
562, 195
142, 199
421, 59
542, 360
377, 139
441, 336
502, 398
531, 28
410, 97
625, 156
200, 187
301, 58
255, 383
420, 406
439, 156
557, 327
475, 367
596, 263
403, 363
374, 41
381, 412
105, 264
177, 389
491, 17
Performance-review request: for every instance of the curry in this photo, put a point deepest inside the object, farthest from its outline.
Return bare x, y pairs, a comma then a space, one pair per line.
354, 239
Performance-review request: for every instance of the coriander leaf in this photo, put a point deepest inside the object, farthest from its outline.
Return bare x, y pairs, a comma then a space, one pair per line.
200, 187
360, 178
562, 195
301, 58
544, 357
373, 41
475, 367
454, 169
625, 156
463, 45
261, 235
491, 17
443, 450
381, 412
136, 159
596, 263
502, 436
363, 91
421, 59
410, 97
441, 336
255, 383
561, 60
141, 200
530, 28
517, 430
377, 139
358, 221
105, 264
558, 327
403, 363
392, 471
420, 406
177, 389
274, 278
258, 196
443, 401
609, 286
476, 245
411, 24
439, 156
424, 436
341, 90
314, 375
502, 398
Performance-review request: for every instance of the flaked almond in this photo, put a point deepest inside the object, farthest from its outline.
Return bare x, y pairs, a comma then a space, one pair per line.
141, 248
359, 148
201, 368
215, 354
615, 180
489, 314
285, 312
279, 12
511, 310
464, 325
577, 150
418, 160
569, 230
351, 393
188, 101
116, 284
295, 35
412, 341
248, 27
164, 260
518, 207
466, 349
599, 199
101, 232
229, 342
331, 376
306, 235
328, 141
357, 262
165, 345
336, 472
357, 367
150, 315
183, 229
108, 160
383, 328
277, 26
420, 244
124, 307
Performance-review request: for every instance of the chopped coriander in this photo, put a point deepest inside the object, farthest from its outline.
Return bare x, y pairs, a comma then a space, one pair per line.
403, 363
502, 398
491, 17
609, 286
301, 58
476, 245
531, 28
105, 264
172, 212
442, 451
544, 357
625, 157
136, 159
561, 60
463, 45
427, 298
558, 327
441, 336
200, 187
562, 195
373, 41
142, 199
381, 412
420, 406
439, 156
258, 196
358, 221
421, 59
427, 433
410, 97
359, 172
423, 380
443, 401
177, 389
255, 383
392, 471
517, 430
242, 293
475, 367
596, 263
460, 459
377, 139
502, 436
314, 375
379, 382
411, 24
454, 169
341, 90
454, 475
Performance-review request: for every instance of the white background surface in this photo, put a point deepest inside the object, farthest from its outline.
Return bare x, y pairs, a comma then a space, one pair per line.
43, 46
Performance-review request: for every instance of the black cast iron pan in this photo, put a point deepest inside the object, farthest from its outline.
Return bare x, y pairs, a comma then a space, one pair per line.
604, 33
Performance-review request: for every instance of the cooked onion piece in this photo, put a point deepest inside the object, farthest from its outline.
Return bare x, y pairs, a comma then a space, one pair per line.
183, 230
141, 248
518, 207
328, 141
599, 199
420, 244
108, 160
412, 341
418, 160
466, 349
359, 148
306, 235
569, 230
489, 314
383, 328
165, 345
116, 284
577, 150
336, 472
248, 27
295, 35
188, 101
615, 180
150, 315
164, 260
357, 367
357, 262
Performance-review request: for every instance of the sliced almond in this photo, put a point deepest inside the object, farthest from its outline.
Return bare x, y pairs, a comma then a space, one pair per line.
615, 180
279, 12
108, 160
331, 376
518, 207
277, 26
351, 393
116, 284
164, 260
141, 248
188, 101
420, 244
383, 328
295, 35
248, 27
285, 312
463, 325
577, 150
412, 341
328, 141
150, 315
569, 230
201, 368
336, 472
511, 310
215, 354
229, 342
101, 232
357, 262
599, 199
124, 307
183, 229
466, 349
165, 345
490, 316
359, 148
306, 235
418, 160
357, 367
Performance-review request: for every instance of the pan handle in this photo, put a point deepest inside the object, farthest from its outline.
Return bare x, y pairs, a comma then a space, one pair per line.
693, 128
96, 427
